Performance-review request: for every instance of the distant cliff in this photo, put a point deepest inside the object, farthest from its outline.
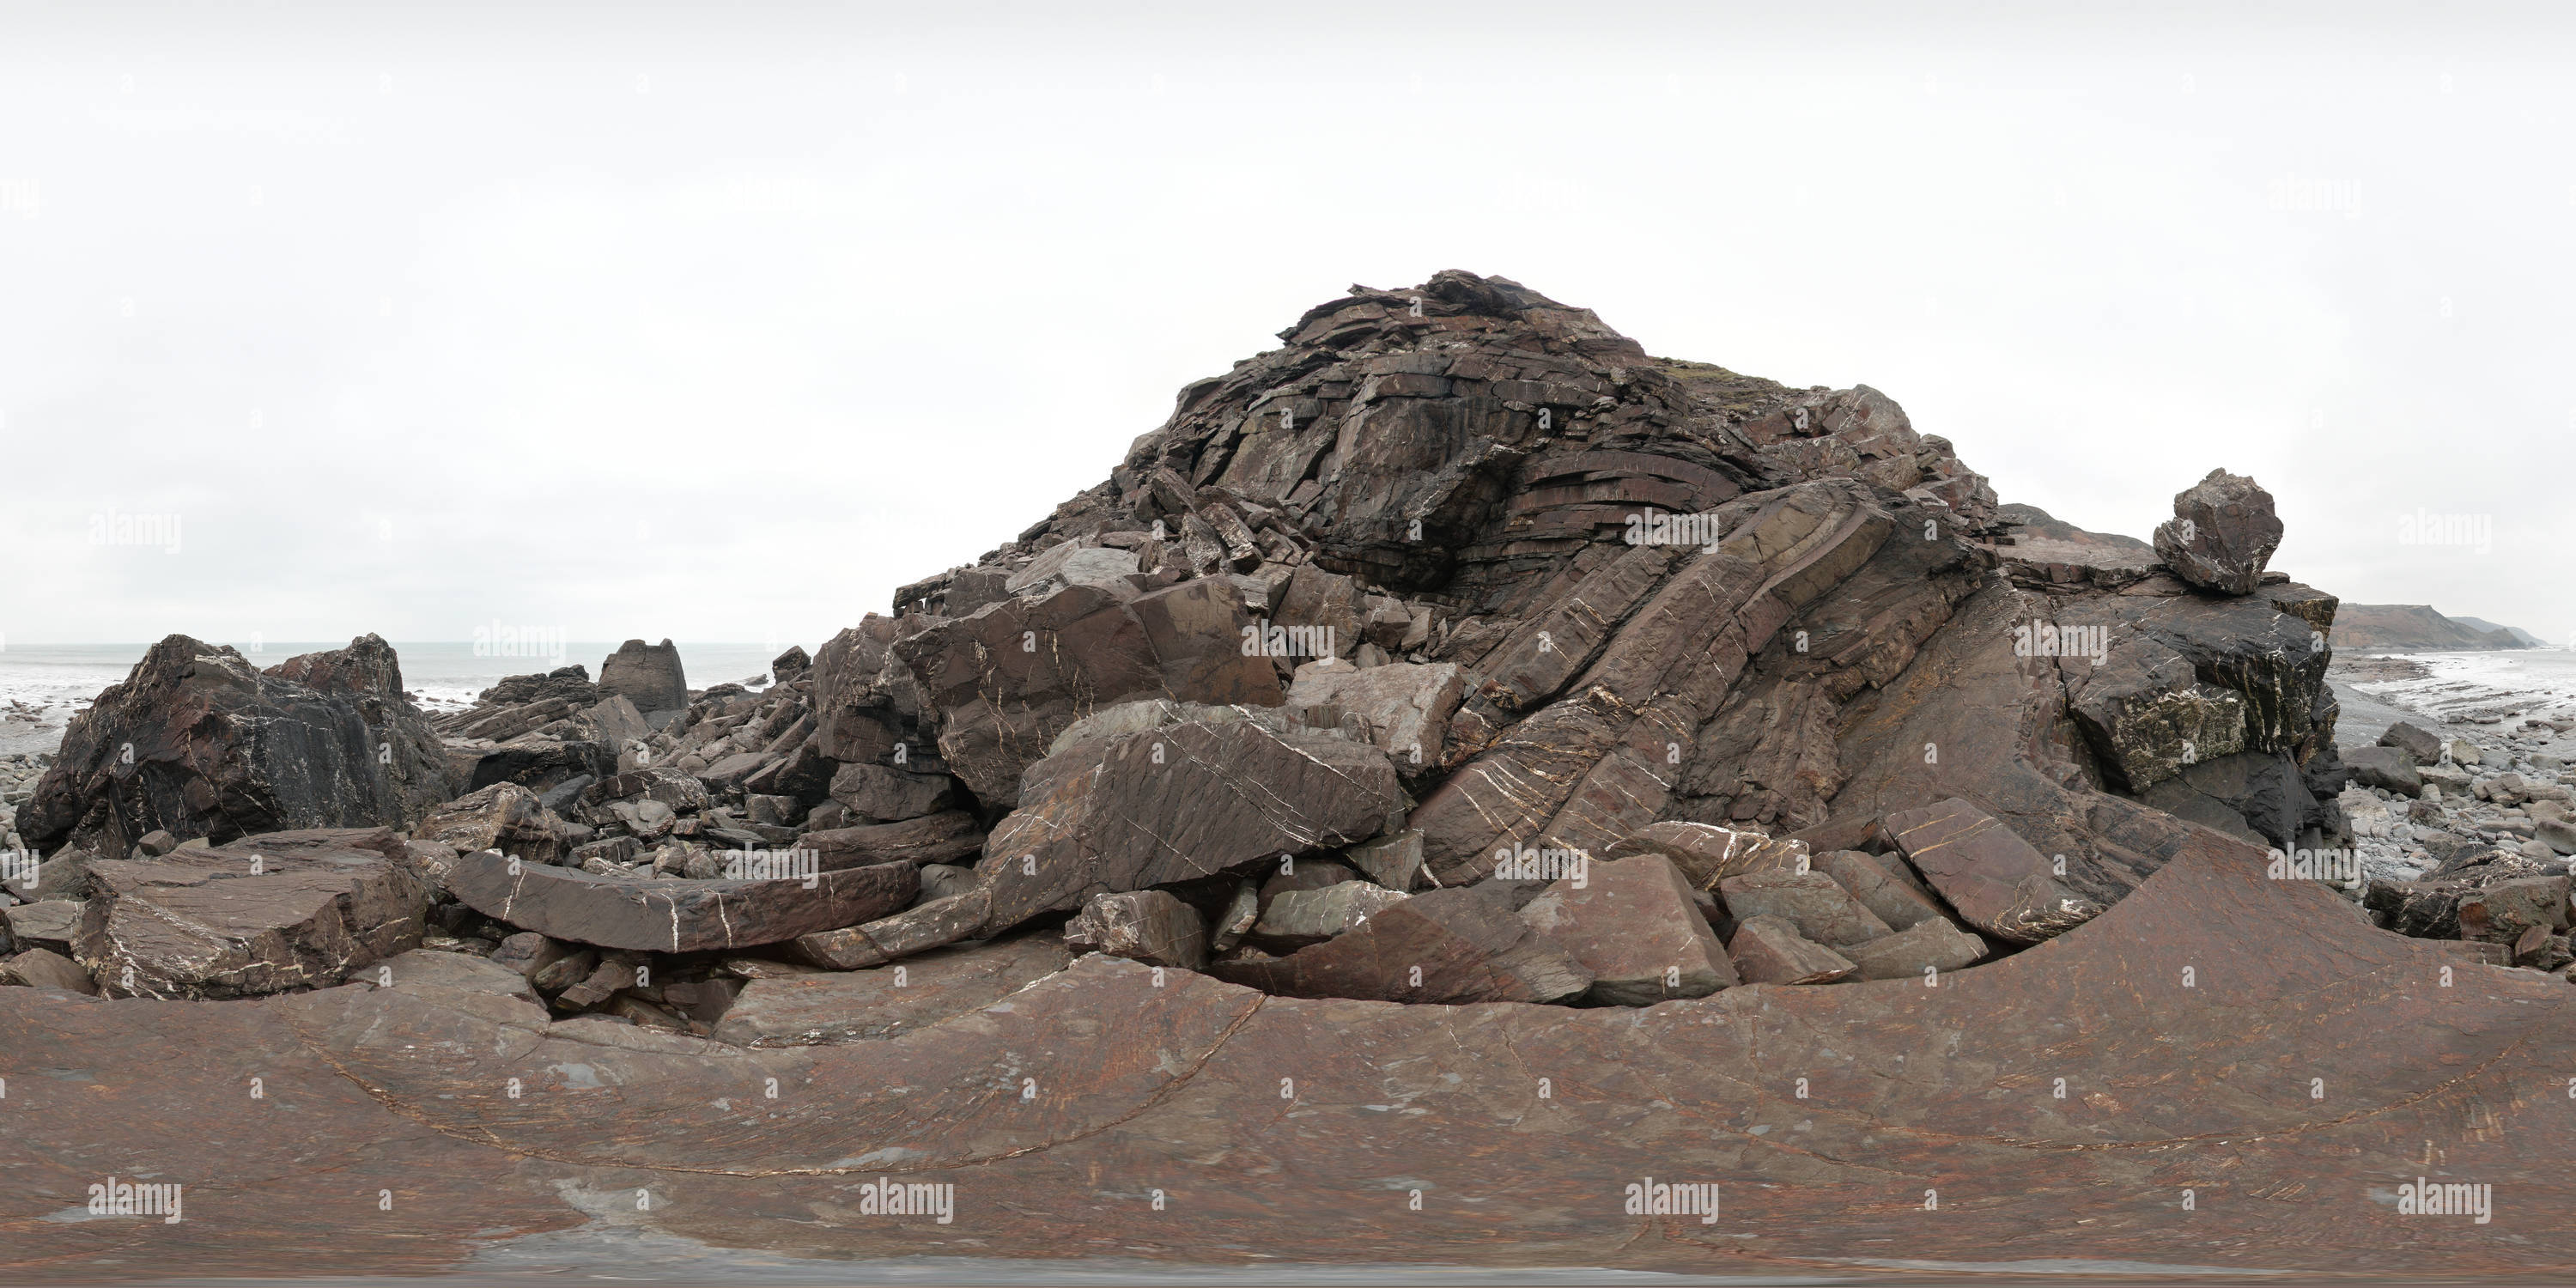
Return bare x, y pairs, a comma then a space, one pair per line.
2418, 627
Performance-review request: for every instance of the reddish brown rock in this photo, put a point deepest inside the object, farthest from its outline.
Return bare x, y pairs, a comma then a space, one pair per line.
1811, 901
675, 916
1438, 946
1150, 926
1633, 925
1994, 878
889, 1001
1769, 950
1183, 800
45, 968
916, 929
202, 923
1933, 943
937, 838
1706, 854
1887, 887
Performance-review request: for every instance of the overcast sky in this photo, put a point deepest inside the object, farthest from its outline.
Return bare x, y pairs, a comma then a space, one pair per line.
719, 324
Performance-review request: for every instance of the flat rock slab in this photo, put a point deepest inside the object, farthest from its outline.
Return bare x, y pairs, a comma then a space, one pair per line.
1999, 884
1181, 1085
424, 968
48, 923
1892, 895
854, 1006
1933, 944
675, 916
1633, 924
1706, 853
199, 923
944, 837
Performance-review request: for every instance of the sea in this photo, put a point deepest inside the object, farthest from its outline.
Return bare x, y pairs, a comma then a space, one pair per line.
42, 685
2473, 688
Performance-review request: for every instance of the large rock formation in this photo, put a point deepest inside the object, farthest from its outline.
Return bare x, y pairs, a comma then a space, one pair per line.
199, 743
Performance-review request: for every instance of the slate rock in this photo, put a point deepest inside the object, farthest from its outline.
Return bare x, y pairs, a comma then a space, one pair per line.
1634, 926
1150, 926
2424, 746
45, 968
1403, 707
1996, 881
198, 924
1895, 898
1186, 800
504, 817
1456, 945
2388, 768
878, 794
2222, 533
677, 915
1812, 902
917, 929
1769, 950
935, 838
648, 675
47, 923
1934, 943
1296, 918
1706, 853
1391, 861
220, 749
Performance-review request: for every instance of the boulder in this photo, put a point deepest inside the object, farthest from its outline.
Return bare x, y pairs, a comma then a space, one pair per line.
1996, 881
679, 915
1074, 564
862, 1005
528, 952
1005, 680
1812, 902
200, 743
785, 667
2387, 768
1705, 853
1769, 950
648, 675
1456, 945
1403, 707
2501, 913
2424, 746
201, 923
877, 794
1296, 918
1150, 926
2222, 533
1392, 861
45, 968
1634, 926
1934, 945
504, 817
1888, 888
47, 923
1185, 800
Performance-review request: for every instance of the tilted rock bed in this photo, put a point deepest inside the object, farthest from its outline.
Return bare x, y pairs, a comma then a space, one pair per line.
1455, 651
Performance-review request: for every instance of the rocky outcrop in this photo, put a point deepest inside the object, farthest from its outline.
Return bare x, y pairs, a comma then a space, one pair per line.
200, 743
